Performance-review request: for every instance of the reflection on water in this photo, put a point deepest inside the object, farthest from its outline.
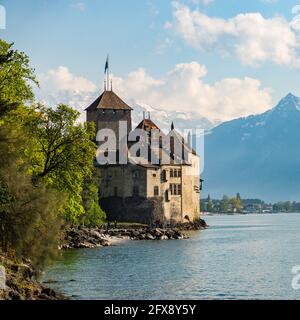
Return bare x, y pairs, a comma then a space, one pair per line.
238, 257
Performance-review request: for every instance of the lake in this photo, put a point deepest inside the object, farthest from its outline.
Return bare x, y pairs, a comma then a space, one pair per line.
238, 257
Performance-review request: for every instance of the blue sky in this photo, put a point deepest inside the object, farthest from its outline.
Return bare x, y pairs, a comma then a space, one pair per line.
146, 34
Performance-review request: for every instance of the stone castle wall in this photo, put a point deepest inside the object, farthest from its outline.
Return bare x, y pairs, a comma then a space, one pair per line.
109, 119
127, 191
132, 209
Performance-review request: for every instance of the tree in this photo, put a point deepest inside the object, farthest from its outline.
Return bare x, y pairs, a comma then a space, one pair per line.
288, 206
236, 203
27, 213
46, 165
224, 205
16, 78
93, 215
209, 205
61, 153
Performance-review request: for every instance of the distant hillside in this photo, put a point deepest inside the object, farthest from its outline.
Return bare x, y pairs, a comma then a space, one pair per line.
258, 156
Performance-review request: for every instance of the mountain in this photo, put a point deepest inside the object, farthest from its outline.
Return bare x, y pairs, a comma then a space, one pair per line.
258, 156
163, 119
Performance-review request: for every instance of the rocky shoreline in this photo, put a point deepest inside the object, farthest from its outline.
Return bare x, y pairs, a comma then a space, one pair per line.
82, 237
20, 283
20, 275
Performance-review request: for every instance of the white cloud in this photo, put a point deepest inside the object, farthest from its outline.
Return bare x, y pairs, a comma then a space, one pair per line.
181, 89
61, 86
184, 89
61, 79
253, 38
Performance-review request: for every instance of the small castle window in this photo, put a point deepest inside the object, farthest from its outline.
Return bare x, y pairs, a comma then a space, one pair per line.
164, 176
156, 191
175, 189
179, 189
167, 195
175, 173
171, 173
172, 188
179, 173
135, 174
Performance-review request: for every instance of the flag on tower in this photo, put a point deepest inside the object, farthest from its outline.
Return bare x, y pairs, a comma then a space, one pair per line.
106, 65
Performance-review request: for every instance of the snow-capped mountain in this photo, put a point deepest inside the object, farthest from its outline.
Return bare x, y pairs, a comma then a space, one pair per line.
258, 156
163, 119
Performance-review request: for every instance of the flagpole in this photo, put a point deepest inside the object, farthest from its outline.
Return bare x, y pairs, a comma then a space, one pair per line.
107, 82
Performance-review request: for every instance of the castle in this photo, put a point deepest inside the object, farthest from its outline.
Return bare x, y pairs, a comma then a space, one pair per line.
146, 191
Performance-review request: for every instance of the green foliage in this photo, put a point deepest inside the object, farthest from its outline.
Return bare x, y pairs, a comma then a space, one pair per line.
224, 205
61, 152
93, 215
286, 206
236, 203
16, 77
27, 213
209, 204
5, 194
46, 165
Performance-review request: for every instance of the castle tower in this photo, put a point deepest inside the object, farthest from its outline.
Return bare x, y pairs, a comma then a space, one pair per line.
106, 112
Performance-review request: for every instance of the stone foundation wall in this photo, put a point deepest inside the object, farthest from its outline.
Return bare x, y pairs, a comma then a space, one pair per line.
132, 209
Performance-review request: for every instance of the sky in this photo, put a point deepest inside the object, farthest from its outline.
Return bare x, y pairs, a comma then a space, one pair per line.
220, 58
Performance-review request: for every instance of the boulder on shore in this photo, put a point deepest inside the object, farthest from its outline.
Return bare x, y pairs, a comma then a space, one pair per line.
83, 237
20, 283
77, 237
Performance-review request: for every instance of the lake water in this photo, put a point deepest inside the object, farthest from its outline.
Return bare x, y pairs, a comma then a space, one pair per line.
238, 257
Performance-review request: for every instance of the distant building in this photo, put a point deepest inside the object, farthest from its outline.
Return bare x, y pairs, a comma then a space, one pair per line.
148, 192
